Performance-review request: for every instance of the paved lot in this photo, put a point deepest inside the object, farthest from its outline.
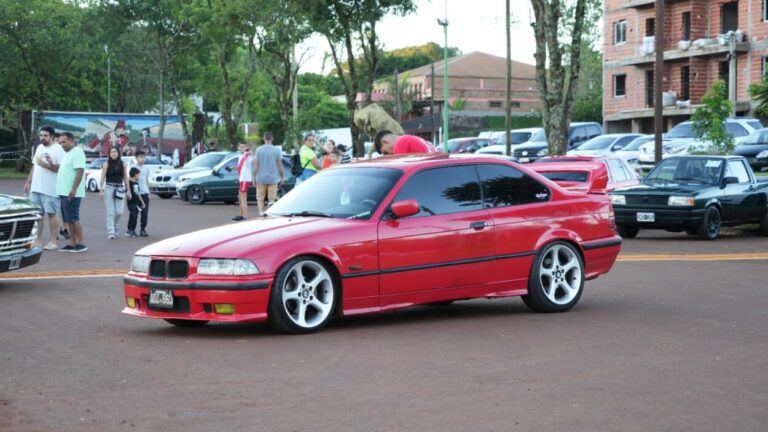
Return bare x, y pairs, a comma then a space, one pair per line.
657, 345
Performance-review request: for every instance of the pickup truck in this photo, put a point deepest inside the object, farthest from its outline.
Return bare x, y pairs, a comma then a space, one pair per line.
695, 194
18, 230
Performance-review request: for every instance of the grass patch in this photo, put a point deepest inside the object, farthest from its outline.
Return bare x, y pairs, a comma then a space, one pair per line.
762, 173
11, 173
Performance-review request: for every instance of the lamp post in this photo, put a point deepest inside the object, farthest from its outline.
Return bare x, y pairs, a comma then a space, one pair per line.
444, 23
109, 79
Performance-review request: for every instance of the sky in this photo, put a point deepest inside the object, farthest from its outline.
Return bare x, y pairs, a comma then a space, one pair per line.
473, 25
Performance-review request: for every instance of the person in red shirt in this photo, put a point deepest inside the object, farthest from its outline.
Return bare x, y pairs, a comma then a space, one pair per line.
388, 143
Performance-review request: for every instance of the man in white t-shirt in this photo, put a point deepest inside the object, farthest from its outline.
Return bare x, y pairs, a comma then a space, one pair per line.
245, 178
41, 183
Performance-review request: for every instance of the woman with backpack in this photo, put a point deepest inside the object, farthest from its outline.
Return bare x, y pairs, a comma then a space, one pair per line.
308, 161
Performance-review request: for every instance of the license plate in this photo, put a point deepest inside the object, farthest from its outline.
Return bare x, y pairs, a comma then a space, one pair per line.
15, 263
525, 160
646, 217
162, 298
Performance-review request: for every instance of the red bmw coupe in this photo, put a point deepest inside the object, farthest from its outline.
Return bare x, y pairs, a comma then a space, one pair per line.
382, 235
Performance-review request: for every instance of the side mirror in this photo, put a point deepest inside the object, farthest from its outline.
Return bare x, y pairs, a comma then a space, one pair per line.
617, 147
405, 208
729, 180
214, 173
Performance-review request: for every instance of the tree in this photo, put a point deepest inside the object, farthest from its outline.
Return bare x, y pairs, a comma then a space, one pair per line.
588, 101
759, 92
709, 118
558, 65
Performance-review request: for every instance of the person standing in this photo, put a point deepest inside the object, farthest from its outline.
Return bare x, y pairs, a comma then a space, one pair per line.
268, 172
114, 189
70, 189
141, 158
244, 177
309, 163
135, 203
345, 158
41, 184
328, 148
388, 143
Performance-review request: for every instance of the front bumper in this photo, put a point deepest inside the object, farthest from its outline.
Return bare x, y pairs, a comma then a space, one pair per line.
664, 217
196, 300
20, 259
182, 193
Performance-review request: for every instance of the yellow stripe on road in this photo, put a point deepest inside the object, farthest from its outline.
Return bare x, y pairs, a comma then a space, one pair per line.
64, 274
695, 257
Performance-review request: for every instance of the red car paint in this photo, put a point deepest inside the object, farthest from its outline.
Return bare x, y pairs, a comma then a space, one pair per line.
384, 263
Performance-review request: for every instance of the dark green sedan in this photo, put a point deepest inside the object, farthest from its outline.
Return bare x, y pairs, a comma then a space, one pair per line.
220, 184
695, 194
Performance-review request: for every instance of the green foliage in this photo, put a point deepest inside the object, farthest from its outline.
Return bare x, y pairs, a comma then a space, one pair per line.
759, 92
588, 101
457, 105
497, 123
709, 118
329, 84
405, 59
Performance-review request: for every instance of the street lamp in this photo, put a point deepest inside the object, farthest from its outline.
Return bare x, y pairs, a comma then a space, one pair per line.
444, 23
109, 79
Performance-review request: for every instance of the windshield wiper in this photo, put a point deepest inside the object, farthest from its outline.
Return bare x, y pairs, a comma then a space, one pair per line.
307, 213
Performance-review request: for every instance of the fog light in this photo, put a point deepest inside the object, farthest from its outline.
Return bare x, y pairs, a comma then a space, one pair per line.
131, 302
224, 308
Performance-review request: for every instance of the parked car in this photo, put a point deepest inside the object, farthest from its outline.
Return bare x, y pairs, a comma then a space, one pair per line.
467, 145
381, 235
164, 185
18, 231
695, 194
495, 149
682, 139
583, 176
537, 146
221, 184
631, 151
755, 149
93, 171
517, 136
603, 144
620, 172
93, 174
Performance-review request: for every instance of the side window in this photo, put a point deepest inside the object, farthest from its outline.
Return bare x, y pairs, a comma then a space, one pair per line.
231, 166
622, 142
593, 131
735, 129
505, 186
736, 169
617, 170
443, 190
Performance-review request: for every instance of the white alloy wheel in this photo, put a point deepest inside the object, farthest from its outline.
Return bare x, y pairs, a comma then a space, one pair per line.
560, 274
307, 294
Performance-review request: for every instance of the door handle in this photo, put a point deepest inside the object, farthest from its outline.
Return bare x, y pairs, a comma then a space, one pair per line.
478, 225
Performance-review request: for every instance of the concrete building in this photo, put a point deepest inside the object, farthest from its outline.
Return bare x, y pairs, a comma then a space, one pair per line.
698, 49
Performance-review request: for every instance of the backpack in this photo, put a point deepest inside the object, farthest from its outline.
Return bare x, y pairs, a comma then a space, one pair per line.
296, 167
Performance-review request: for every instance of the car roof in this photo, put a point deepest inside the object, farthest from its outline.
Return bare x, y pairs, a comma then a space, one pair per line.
416, 161
565, 166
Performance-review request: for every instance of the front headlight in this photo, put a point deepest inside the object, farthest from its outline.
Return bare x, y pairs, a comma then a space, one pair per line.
619, 199
140, 264
680, 201
542, 152
763, 154
226, 267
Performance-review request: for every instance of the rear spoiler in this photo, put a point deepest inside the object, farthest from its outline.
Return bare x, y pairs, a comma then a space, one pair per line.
598, 180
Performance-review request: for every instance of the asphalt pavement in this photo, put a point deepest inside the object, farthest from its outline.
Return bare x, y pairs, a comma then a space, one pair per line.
657, 345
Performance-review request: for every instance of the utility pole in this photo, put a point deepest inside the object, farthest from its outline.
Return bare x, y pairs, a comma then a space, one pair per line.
508, 104
109, 79
658, 107
295, 100
732, 72
432, 104
444, 23
398, 107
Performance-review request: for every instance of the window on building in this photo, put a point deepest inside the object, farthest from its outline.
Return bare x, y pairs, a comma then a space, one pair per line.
494, 104
620, 32
649, 95
685, 83
650, 26
619, 85
724, 74
686, 30
514, 104
765, 11
729, 17
765, 65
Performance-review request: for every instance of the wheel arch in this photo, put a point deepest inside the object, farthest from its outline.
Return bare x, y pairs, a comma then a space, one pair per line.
569, 237
330, 264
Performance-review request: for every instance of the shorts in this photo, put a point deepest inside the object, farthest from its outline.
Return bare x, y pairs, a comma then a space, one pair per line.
268, 190
244, 185
48, 204
70, 210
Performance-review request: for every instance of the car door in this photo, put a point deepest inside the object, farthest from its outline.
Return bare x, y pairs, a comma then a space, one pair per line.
444, 250
517, 204
224, 185
577, 136
740, 200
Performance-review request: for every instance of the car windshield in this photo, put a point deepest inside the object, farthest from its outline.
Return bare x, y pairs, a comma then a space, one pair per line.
152, 161
636, 143
685, 170
757, 137
206, 160
539, 136
454, 144
683, 130
344, 192
573, 176
597, 143
515, 138
97, 163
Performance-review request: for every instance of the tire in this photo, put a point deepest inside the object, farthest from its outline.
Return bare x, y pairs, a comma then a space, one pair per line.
93, 186
303, 297
165, 195
627, 231
230, 202
185, 323
691, 231
709, 227
196, 195
556, 280
764, 224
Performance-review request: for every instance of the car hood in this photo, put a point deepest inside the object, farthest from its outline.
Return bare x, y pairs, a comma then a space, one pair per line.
178, 172
663, 189
532, 145
12, 204
243, 239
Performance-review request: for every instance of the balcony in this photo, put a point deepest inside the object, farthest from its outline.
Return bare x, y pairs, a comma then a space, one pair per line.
678, 54
639, 4
741, 107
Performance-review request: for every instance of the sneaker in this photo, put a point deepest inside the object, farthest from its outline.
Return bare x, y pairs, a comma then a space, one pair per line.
131, 234
64, 234
80, 248
111, 236
68, 248
143, 234
238, 218
51, 246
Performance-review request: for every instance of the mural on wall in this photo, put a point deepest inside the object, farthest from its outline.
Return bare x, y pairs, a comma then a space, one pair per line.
95, 133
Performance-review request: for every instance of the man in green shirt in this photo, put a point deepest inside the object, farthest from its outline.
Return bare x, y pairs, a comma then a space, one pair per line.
70, 188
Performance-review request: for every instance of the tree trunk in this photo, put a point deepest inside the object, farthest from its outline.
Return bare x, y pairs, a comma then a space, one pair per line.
162, 113
179, 102
198, 127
